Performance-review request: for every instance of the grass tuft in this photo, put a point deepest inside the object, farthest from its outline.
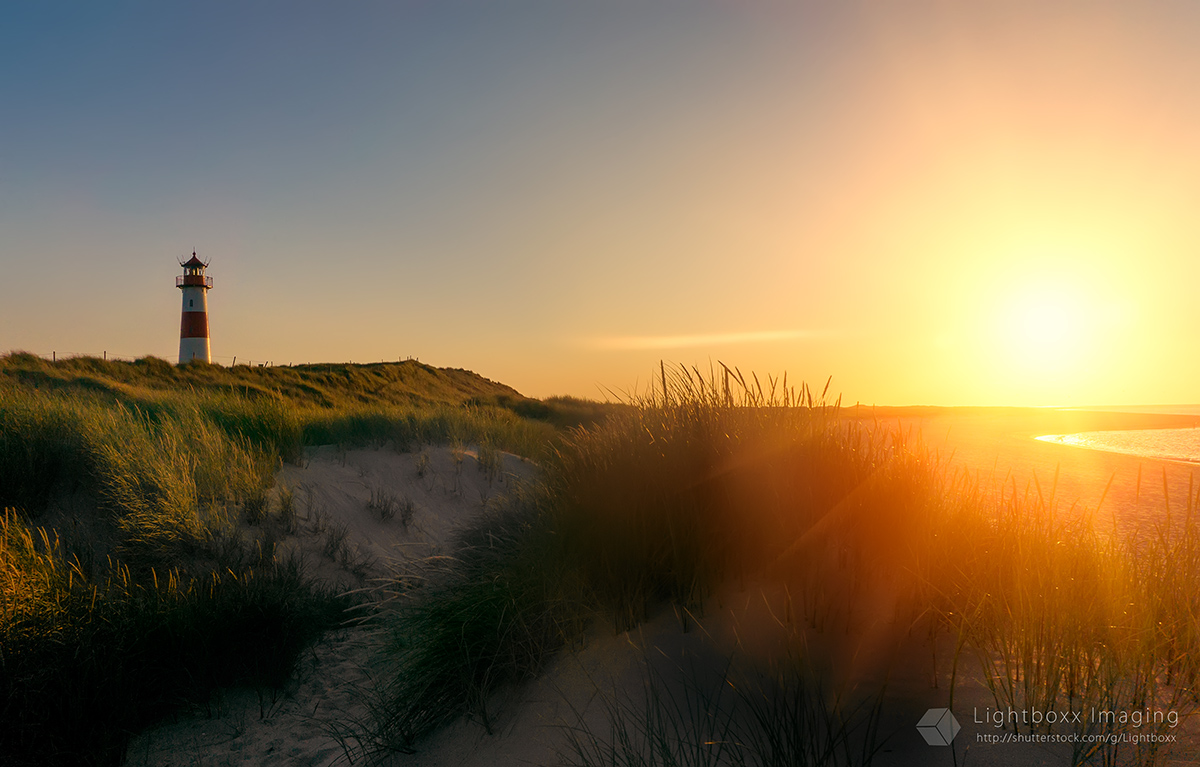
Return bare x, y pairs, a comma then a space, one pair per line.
724, 717
384, 503
287, 509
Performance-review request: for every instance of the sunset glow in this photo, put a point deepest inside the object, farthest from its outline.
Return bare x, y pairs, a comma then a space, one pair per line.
940, 204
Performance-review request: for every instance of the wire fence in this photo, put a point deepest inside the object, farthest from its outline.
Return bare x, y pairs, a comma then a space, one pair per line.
229, 361
217, 359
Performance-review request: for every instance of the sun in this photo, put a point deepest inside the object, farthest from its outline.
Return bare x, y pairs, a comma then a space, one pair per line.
1045, 323
1049, 326
1044, 328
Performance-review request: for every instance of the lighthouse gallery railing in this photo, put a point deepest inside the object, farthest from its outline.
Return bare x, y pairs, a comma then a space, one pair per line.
193, 279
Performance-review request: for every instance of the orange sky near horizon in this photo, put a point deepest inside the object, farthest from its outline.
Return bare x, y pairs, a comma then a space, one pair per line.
940, 203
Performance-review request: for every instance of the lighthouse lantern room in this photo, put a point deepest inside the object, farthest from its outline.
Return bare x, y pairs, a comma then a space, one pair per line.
193, 328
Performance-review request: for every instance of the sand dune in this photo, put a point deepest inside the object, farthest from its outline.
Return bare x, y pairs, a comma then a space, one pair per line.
302, 724
311, 720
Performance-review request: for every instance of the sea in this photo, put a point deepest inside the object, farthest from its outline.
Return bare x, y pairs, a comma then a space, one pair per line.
1182, 445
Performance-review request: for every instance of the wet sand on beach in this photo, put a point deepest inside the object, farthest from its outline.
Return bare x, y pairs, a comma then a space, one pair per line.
997, 446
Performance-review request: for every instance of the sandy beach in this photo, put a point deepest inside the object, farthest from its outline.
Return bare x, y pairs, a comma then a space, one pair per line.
997, 446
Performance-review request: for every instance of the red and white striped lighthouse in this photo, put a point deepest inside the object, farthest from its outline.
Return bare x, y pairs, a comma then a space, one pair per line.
193, 328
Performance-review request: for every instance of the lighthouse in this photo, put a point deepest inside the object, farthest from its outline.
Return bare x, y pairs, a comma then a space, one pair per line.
193, 328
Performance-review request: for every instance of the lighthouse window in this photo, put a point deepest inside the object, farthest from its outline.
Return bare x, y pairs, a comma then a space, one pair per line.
189, 303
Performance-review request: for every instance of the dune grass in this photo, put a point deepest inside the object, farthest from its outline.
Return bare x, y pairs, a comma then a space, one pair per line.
321, 386
139, 597
129, 588
150, 473
471, 625
375, 399
282, 409
408, 427
88, 661
655, 505
1064, 613
708, 480
724, 717
716, 479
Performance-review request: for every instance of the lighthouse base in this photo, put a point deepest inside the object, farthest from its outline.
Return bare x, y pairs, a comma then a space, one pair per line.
194, 349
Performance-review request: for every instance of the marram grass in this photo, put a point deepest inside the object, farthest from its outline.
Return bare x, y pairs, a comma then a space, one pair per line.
712, 480
87, 661
706, 481
144, 596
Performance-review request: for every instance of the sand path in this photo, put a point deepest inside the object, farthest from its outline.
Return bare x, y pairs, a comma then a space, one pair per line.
349, 529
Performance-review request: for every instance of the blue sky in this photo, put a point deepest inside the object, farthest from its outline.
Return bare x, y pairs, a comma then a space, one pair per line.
557, 195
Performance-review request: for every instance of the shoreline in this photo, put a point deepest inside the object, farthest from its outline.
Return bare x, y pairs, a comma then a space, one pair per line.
999, 450
1083, 444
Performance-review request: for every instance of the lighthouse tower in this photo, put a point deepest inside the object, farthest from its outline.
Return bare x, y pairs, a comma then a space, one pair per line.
193, 329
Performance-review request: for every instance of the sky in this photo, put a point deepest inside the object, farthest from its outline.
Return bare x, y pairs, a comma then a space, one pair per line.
934, 202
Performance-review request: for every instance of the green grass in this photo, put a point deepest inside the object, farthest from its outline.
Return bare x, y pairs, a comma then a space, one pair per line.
321, 386
149, 473
142, 594
560, 412
409, 427
234, 395
155, 447
281, 409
